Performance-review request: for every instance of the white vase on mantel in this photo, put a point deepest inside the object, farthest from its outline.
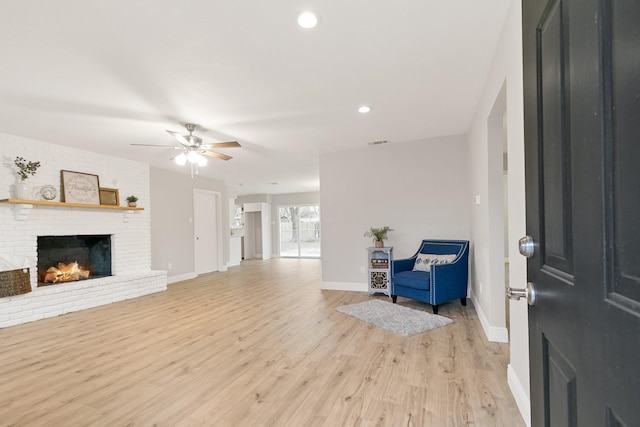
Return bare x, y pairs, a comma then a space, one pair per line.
22, 190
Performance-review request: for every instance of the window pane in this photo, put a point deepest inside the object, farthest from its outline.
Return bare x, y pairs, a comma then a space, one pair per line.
309, 231
299, 231
288, 231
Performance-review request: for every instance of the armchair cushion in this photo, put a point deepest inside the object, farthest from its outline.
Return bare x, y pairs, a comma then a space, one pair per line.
425, 261
413, 279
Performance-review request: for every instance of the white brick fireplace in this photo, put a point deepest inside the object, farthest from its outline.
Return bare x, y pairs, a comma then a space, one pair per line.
20, 226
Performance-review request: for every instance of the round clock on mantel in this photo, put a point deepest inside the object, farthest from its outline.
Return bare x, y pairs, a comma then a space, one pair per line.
48, 192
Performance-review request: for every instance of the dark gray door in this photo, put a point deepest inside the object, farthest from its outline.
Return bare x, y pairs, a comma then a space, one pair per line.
582, 150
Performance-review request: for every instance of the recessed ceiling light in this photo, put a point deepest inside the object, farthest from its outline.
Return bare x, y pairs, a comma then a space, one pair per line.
307, 19
364, 109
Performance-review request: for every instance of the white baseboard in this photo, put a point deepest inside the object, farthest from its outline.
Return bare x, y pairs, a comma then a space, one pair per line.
344, 286
181, 277
493, 333
520, 395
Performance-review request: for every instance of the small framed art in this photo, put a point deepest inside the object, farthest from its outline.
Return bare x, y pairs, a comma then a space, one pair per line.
109, 196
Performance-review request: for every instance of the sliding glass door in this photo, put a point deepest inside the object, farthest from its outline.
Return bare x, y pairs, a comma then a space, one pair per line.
299, 231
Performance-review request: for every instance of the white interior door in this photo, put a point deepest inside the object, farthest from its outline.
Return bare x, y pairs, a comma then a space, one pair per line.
205, 226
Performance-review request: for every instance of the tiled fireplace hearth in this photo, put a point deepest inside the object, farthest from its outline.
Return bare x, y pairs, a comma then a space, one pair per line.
122, 236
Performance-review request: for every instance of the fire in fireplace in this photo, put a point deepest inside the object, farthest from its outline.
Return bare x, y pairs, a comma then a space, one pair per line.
70, 258
66, 273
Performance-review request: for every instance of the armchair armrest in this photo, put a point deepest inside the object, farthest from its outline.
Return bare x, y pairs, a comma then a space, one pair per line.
399, 265
449, 281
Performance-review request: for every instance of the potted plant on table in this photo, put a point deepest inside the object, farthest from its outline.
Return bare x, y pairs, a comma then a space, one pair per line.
379, 235
131, 201
22, 190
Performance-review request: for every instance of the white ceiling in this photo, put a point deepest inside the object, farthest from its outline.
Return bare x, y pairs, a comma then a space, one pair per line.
103, 74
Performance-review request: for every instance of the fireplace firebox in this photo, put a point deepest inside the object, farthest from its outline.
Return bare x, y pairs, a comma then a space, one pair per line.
70, 258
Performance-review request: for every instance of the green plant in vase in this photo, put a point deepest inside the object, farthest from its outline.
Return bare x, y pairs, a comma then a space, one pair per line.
131, 200
26, 168
379, 235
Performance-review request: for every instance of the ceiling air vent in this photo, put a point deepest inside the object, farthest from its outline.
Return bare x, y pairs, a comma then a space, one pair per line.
382, 141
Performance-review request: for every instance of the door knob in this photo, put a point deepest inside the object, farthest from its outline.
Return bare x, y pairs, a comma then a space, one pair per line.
529, 293
527, 246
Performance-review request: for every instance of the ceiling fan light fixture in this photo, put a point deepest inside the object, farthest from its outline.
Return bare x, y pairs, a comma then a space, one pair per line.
192, 151
181, 159
193, 156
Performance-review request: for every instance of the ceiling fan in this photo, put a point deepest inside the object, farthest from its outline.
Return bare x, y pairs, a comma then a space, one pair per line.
192, 149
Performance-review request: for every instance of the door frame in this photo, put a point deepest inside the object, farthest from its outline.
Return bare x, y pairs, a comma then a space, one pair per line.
505, 67
498, 219
218, 197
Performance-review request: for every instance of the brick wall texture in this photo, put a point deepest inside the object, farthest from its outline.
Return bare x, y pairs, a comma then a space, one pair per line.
20, 225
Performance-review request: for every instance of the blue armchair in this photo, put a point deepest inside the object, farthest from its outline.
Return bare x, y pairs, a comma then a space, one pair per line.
446, 279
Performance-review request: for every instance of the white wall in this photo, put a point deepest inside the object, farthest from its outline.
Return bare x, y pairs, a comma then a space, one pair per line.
420, 189
172, 234
254, 198
506, 69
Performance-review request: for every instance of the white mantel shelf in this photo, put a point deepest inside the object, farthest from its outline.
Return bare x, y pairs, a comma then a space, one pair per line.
23, 206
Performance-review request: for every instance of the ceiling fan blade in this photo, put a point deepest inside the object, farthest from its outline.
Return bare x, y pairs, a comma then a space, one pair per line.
216, 155
181, 139
229, 144
157, 145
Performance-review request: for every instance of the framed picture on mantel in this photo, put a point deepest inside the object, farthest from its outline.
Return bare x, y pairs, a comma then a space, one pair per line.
80, 187
109, 196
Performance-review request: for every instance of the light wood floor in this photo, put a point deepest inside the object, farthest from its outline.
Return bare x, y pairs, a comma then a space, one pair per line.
259, 345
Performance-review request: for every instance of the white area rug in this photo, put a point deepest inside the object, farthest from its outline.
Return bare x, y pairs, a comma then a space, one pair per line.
395, 318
